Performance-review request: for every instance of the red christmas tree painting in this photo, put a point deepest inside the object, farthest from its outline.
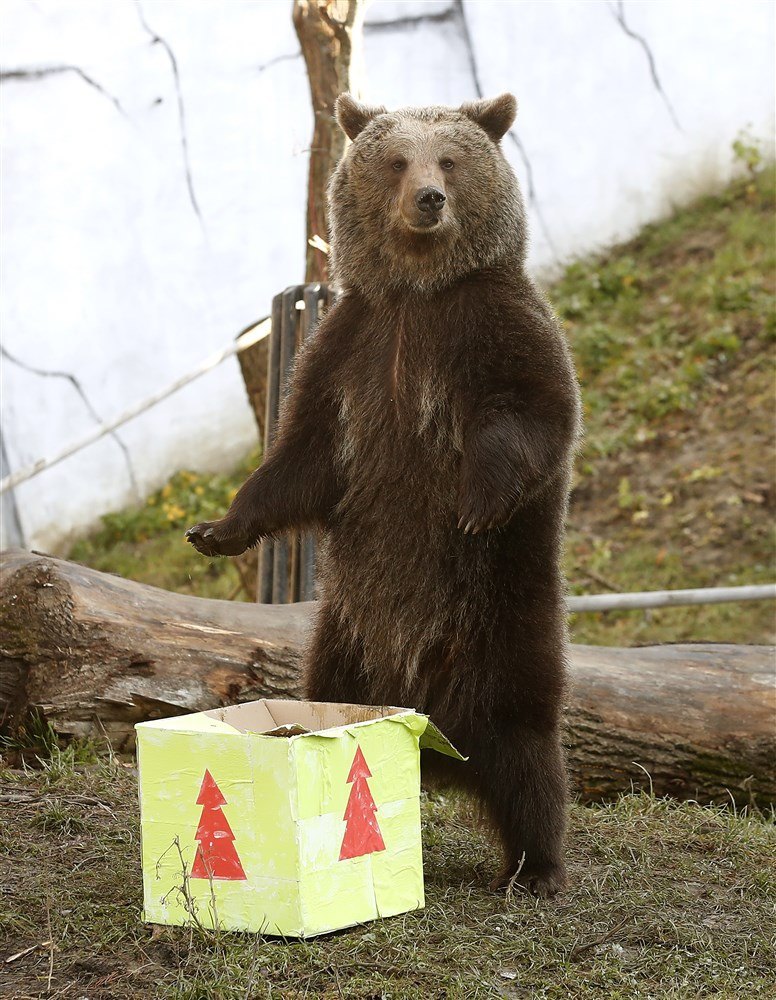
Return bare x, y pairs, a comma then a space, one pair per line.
216, 856
362, 833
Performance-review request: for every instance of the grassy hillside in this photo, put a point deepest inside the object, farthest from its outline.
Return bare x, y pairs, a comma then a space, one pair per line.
673, 338
672, 335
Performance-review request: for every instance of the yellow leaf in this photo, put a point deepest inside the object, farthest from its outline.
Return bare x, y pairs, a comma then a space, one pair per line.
703, 473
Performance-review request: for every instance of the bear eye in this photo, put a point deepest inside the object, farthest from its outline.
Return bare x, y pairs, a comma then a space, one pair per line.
399, 165
447, 164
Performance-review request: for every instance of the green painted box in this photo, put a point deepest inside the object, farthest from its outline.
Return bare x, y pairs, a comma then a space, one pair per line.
283, 817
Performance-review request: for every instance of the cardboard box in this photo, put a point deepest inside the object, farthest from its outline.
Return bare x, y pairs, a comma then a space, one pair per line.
283, 817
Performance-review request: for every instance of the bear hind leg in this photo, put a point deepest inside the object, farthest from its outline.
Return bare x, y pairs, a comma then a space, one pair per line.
521, 777
334, 663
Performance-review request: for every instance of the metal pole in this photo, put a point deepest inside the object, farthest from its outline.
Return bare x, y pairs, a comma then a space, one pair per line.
671, 598
312, 301
267, 546
283, 546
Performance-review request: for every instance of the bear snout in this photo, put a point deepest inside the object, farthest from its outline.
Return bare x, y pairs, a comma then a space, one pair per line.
430, 199
422, 207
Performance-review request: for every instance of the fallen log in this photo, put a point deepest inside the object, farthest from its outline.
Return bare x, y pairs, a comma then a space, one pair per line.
94, 654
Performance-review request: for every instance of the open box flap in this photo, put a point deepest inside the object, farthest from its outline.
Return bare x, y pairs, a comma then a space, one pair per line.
427, 734
250, 716
429, 737
434, 739
317, 716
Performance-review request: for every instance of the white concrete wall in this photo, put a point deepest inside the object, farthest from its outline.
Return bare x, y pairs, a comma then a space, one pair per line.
126, 258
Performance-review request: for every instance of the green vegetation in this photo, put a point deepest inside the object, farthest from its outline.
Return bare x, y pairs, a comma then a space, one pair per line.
672, 335
146, 543
667, 900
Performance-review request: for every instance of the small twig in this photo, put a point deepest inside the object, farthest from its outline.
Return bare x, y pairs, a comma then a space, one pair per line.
213, 904
591, 575
111, 755
78, 865
582, 948
245, 582
51, 945
17, 799
87, 800
21, 954
337, 980
619, 16
34, 800
59, 993
189, 903
651, 789
76, 384
512, 883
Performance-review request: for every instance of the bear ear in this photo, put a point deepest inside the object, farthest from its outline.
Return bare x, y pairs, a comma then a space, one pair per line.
353, 117
494, 116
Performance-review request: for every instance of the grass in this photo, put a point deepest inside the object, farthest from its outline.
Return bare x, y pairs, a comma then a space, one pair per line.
668, 900
673, 337
146, 543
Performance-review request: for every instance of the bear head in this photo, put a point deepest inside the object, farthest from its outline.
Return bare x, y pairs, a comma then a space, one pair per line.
423, 196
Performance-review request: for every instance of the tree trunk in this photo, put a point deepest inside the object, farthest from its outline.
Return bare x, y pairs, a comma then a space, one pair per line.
253, 365
330, 34
95, 654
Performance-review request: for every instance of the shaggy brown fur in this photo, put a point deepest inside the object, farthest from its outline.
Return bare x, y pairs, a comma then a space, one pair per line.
428, 431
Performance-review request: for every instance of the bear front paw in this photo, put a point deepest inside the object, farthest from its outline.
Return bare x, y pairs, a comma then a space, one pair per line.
476, 513
217, 538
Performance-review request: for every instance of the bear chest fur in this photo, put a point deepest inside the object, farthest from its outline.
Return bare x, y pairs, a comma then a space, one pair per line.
399, 402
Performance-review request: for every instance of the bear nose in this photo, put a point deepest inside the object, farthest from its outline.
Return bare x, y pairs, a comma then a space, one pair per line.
430, 199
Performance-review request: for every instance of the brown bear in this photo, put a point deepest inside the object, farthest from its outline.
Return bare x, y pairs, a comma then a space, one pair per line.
428, 432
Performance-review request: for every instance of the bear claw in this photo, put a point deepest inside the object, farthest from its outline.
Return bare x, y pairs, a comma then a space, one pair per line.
544, 883
211, 540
